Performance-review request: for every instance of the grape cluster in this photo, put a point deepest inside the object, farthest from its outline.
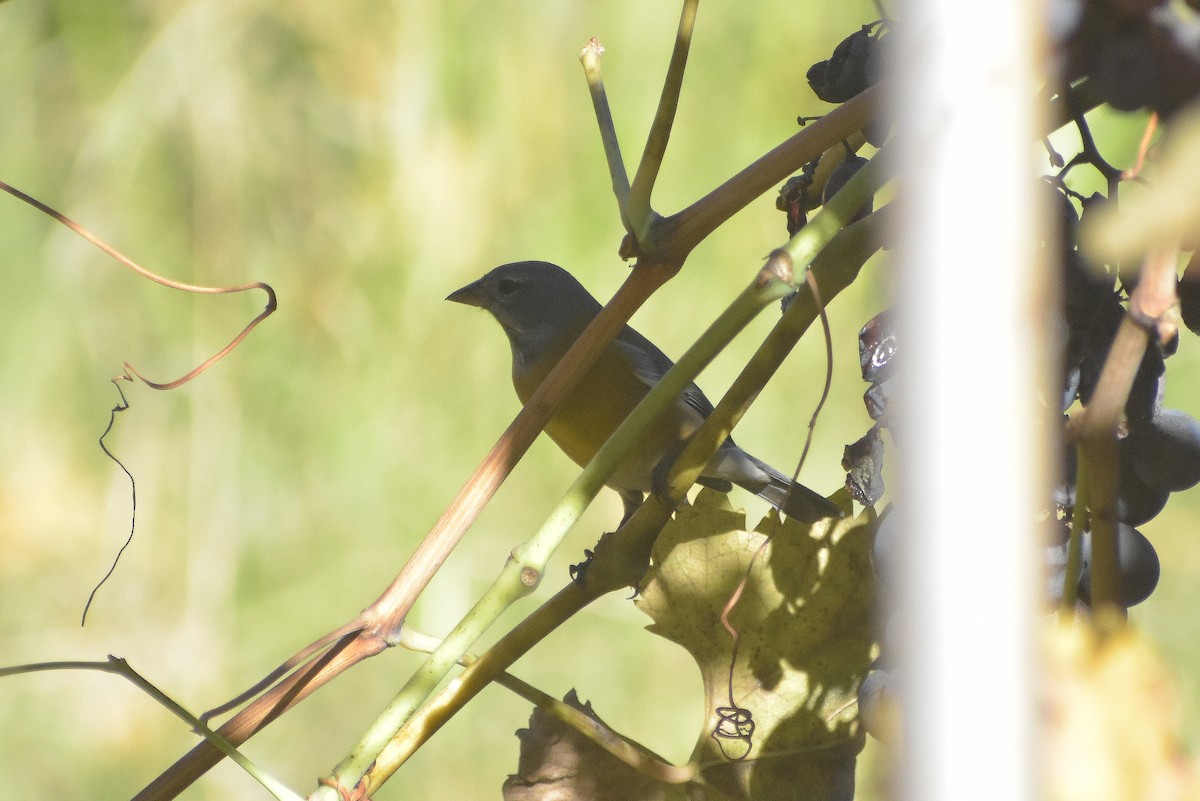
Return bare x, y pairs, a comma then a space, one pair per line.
855, 65
878, 348
863, 460
1137, 53
1129, 54
1160, 451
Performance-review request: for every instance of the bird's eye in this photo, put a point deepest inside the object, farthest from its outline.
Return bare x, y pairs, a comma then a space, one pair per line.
506, 286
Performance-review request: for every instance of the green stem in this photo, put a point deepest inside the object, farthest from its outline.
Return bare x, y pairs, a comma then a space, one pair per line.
1075, 543
640, 213
590, 57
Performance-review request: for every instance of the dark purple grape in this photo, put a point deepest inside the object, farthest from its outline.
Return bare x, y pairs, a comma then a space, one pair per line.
1064, 211
1063, 18
877, 347
1146, 394
1137, 502
863, 463
793, 201
838, 177
851, 69
1171, 346
884, 551
1070, 389
1136, 58
1128, 71
1095, 342
1084, 290
1054, 560
796, 198
1165, 450
1189, 294
1093, 207
1137, 567
892, 639
877, 130
876, 694
876, 399
1149, 386
1063, 493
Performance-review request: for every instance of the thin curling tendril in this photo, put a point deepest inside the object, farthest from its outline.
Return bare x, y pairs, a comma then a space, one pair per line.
736, 722
129, 372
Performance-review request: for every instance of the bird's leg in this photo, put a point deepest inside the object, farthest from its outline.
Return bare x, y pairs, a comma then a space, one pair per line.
631, 499
658, 479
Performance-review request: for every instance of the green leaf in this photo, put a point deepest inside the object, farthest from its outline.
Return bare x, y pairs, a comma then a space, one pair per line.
806, 637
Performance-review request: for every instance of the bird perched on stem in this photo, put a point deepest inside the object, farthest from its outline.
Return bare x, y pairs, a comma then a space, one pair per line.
543, 310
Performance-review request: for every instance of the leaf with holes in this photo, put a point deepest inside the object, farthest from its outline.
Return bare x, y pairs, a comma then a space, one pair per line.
804, 621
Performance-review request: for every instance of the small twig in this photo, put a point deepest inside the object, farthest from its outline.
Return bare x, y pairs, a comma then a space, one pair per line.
1090, 154
1143, 148
591, 56
296, 687
619, 561
815, 241
298, 660
1064, 107
1056, 159
120, 667
640, 213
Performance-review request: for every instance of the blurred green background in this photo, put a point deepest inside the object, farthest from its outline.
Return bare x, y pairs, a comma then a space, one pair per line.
365, 159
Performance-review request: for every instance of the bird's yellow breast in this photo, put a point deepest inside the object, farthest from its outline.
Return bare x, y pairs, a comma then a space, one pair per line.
594, 409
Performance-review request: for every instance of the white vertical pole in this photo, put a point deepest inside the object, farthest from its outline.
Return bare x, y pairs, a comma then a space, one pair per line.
973, 345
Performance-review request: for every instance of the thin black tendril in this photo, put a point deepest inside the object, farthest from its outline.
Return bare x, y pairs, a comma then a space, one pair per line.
112, 417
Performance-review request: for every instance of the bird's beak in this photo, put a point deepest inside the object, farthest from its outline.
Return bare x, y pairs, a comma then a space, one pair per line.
472, 294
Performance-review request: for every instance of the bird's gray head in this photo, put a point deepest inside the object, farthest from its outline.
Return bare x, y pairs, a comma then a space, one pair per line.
536, 303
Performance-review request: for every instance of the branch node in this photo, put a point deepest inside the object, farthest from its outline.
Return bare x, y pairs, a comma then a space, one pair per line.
779, 267
1142, 320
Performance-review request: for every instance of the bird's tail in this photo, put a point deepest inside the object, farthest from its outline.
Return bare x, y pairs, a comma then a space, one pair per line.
800, 503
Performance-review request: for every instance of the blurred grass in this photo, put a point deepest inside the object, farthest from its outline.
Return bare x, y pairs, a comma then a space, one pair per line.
365, 159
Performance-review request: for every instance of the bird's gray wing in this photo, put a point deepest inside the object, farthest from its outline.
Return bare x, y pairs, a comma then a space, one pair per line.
730, 464
650, 364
